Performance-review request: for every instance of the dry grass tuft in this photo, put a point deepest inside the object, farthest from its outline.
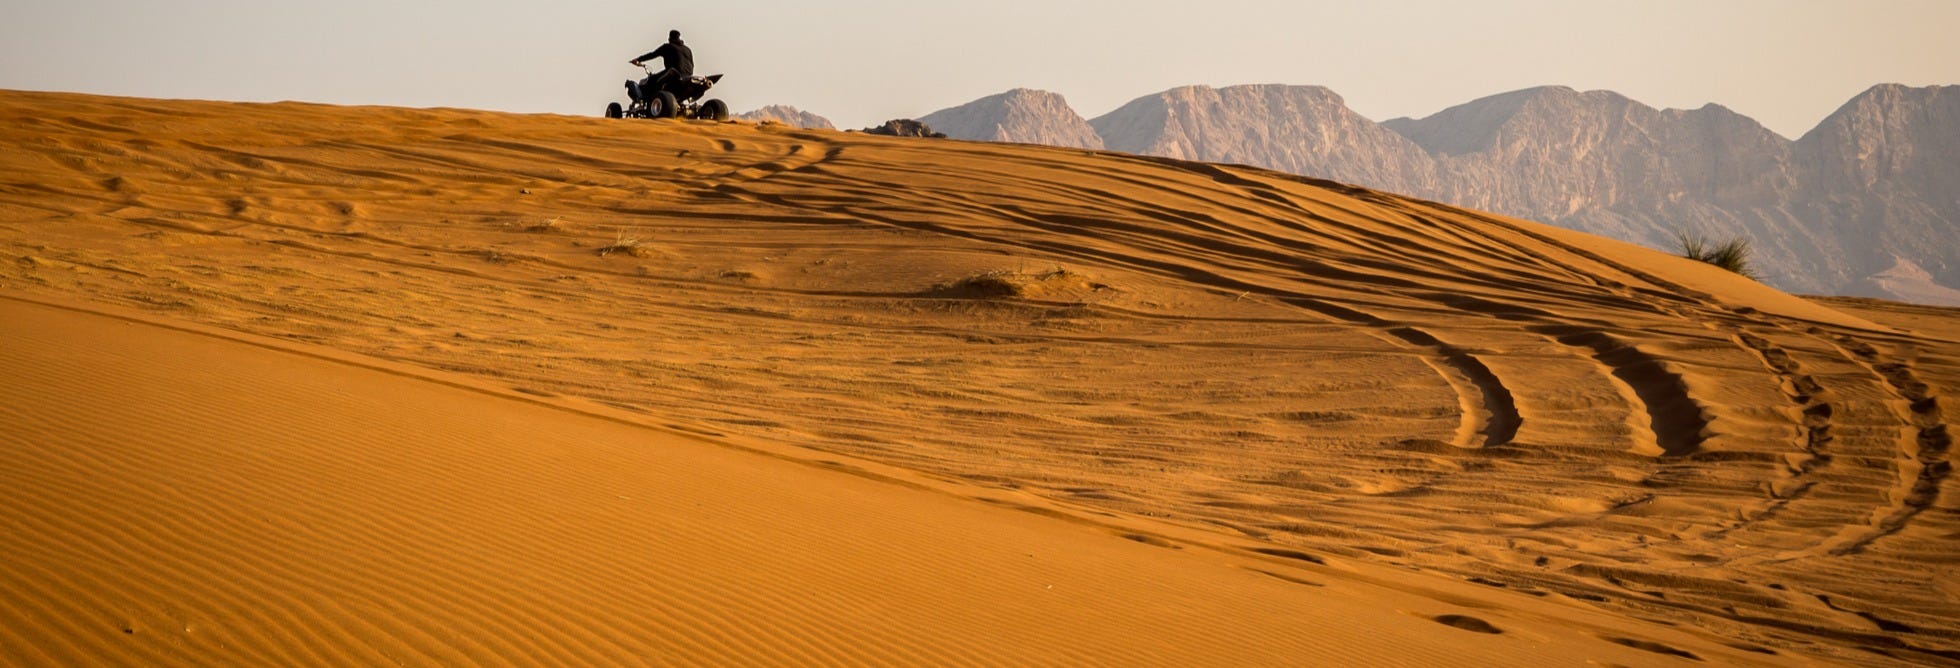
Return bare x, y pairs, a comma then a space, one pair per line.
1732, 254
627, 242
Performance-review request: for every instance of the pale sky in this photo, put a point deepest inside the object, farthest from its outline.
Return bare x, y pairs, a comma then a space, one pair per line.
1787, 63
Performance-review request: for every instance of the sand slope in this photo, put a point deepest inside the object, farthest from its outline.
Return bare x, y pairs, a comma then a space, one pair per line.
178, 497
1215, 359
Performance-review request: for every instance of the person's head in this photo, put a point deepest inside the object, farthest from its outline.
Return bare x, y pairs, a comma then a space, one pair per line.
673, 35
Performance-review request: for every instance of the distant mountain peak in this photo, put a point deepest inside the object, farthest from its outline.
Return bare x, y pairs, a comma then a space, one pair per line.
1471, 126
787, 115
1477, 125
1893, 89
1891, 94
1303, 91
1021, 115
1298, 129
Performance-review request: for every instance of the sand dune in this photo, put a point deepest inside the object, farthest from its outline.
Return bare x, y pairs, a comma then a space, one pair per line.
382, 377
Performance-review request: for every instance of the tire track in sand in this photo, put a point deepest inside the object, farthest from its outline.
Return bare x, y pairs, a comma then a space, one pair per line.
1923, 456
1493, 414
1489, 412
1675, 420
1817, 409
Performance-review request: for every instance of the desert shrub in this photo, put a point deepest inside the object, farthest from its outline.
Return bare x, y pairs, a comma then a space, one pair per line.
1731, 254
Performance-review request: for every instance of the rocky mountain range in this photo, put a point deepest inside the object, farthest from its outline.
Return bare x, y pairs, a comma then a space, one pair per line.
1867, 204
787, 115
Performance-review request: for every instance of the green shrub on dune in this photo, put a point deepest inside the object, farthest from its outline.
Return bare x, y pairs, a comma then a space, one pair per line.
1731, 254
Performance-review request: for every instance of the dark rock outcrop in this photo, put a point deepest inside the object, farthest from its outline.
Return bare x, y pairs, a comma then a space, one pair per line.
905, 127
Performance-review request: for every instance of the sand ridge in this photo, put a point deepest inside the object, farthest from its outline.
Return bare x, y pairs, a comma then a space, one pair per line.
1221, 354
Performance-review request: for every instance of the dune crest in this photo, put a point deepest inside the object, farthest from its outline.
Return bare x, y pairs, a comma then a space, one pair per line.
1228, 360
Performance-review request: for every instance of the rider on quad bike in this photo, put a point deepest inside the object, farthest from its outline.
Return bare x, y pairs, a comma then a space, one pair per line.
679, 60
673, 92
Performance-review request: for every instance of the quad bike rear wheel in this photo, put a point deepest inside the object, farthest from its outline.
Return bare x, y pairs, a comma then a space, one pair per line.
614, 111
714, 110
669, 107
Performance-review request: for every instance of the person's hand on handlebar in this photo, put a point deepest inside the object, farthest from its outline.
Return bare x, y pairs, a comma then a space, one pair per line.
634, 63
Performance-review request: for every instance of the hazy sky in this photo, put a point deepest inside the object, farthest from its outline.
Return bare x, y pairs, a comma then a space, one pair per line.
1787, 63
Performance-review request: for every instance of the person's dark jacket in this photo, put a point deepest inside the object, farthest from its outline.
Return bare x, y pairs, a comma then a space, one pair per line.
676, 55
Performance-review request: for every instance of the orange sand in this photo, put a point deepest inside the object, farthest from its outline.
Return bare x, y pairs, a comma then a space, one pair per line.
304, 384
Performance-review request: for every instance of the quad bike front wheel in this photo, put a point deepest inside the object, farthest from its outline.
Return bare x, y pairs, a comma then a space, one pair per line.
613, 110
713, 110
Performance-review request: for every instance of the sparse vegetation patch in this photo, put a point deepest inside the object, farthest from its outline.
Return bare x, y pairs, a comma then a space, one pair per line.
1732, 254
627, 242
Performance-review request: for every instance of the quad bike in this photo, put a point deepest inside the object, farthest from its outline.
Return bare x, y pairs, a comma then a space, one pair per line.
678, 98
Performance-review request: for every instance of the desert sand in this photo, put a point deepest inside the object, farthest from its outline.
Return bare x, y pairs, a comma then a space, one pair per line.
301, 384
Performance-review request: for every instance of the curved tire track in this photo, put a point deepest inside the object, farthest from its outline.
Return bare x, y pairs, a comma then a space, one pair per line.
1923, 458
1815, 426
1676, 420
1804, 391
1490, 412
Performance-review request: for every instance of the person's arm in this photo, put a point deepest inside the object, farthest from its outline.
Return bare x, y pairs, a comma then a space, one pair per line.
656, 53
